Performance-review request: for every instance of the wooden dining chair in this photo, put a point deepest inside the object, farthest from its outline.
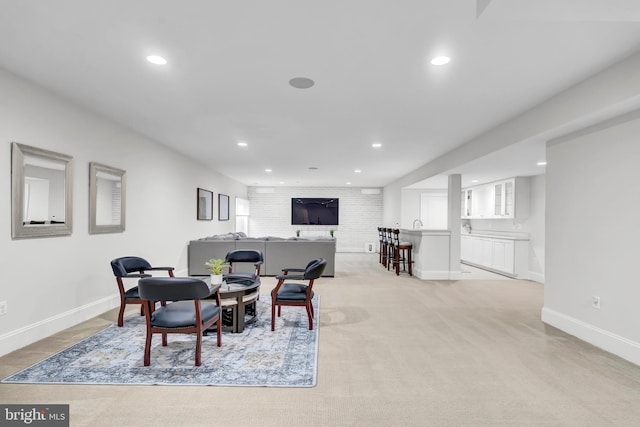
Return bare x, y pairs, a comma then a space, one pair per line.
296, 294
132, 267
186, 314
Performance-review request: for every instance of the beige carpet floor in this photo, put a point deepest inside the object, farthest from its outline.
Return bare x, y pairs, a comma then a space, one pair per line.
394, 351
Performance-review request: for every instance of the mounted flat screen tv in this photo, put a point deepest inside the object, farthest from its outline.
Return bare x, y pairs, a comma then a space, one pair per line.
314, 211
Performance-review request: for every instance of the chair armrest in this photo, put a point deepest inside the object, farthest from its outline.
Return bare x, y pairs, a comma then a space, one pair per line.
140, 275
290, 277
160, 268
293, 269
215, 292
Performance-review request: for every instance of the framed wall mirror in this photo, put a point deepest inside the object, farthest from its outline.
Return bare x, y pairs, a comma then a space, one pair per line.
41, 192
107, 191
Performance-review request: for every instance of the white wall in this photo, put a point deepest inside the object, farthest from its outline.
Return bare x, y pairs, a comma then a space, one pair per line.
411, 205
536, 227
592, 236
52, 283
360, 215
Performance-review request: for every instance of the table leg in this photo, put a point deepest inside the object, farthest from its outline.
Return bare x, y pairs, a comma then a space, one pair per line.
240, 314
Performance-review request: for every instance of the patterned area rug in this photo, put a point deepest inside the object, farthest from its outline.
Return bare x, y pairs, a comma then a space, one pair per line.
256, 357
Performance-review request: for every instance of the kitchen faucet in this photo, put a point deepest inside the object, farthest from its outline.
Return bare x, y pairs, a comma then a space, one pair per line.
419, 222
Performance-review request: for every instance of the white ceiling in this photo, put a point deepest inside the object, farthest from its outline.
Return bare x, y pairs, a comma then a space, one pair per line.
230, 63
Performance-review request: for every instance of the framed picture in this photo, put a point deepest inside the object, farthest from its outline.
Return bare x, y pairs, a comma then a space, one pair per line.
223, 207
205, 205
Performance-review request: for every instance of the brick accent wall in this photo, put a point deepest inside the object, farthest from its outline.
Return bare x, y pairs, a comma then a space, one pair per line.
359, 217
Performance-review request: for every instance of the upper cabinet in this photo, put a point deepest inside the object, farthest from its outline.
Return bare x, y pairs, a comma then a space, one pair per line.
508, 198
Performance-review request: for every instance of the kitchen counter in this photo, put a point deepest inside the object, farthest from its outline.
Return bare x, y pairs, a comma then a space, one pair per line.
431, 253
499, 235
501, 252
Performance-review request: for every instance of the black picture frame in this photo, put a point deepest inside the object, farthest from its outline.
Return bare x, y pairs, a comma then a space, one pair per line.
223, 207
205, 205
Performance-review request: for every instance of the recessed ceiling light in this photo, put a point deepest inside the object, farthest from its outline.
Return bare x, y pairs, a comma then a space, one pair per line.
155, 59
376, 145
348, 183
474, 180
242, 144
440, 60
357, 171
301, 82
541, 163
268, 170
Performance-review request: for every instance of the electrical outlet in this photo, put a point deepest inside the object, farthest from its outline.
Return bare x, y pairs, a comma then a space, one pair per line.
3, 308
595, 301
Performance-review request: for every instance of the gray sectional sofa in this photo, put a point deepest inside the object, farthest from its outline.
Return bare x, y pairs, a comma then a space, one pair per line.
278, 252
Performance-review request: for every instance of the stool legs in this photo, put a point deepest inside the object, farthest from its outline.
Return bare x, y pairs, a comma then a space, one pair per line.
403, 254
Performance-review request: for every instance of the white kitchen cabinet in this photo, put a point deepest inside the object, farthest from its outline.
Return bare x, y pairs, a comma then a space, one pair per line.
501, 199
466, 203
502, 255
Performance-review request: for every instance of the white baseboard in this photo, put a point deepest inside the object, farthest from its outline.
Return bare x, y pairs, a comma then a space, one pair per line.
24, 336
354, 250
536, 277
608, 341
433, 274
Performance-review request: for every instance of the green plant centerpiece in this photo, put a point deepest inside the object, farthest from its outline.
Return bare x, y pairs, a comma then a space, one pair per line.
216, 267
331, 232
297, 233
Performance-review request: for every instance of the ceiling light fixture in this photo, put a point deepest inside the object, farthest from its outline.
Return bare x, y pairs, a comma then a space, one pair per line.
242, 144
357, 171
440, 60
541, 164
301, 82
268, 170
474, 180
155, 59
376, 145
348, 183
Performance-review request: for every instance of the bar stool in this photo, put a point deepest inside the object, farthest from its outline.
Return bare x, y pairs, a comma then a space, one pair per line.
401, 254
383, 246
388, 233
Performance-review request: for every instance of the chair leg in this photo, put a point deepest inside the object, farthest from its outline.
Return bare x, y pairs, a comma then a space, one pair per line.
219, 330
121, 315
273, 315
310, 316
397, 261
147, 349
164, 340
198, 347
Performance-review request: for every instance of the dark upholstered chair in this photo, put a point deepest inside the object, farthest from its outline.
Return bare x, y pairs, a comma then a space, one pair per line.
239, 256
296, 294
243, 256
187, 314
132, 267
